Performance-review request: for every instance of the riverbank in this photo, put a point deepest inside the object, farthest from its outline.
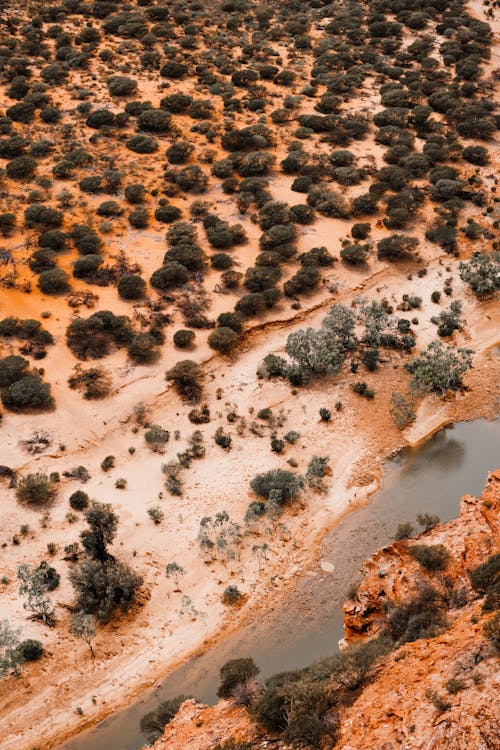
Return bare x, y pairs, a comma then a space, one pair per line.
138, 651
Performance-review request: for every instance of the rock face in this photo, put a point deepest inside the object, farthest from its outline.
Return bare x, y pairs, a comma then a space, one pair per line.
393, 574
432, 694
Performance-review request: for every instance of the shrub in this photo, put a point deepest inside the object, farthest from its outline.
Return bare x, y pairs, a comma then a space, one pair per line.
30, 650
121, 85
167, 214
486, 575
87, 266
476, 155
431, 557
154, 121
157, 438
231, 596
153, 723
12, 369
21, 168
142, 348
223, 340
183, 338
236, 672
186, 376
103, 586
36, 490
139, 218
131, 287
142, 144
169, 276
54, 281
482, 273
440, 368
396, 246
421, 617
100, 118
30, 392
355, 254
79, 500
275, 481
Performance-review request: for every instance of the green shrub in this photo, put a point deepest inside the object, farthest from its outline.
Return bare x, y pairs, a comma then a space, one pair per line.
30, 650
184, 338
153, 723
30, 392
79, 500
431, 557
286, 483
36, 490
54, 281
236, 672
186, 376
101, 587
131, 287
223, 340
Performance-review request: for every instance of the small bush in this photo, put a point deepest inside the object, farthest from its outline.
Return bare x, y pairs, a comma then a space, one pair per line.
36, 490
54, 281
286, 483
236, 672
184, 338
186, 376
431, 557
223, 340
79, 500
131, 287
30, 650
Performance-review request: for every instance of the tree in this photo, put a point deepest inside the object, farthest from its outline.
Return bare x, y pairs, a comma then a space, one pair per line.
236, 672
440, 368
10, 657
102, 587
175, 571
315, 351
82, 626
34, 587
482, 273
103, 523
286, 483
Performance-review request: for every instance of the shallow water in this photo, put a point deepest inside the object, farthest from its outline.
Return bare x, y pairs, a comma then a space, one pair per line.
431, 478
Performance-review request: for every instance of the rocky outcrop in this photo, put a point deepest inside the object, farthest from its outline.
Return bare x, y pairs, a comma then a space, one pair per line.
392, 574
431, 694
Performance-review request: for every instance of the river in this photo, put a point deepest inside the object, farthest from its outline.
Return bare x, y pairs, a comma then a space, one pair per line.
430, 478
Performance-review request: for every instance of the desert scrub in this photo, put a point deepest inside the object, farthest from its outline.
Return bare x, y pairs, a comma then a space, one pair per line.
430, 556
36, 490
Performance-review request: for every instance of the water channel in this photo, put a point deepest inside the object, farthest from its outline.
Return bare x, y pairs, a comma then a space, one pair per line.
431, 478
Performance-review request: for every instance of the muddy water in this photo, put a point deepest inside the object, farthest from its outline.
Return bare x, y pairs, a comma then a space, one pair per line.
430, 478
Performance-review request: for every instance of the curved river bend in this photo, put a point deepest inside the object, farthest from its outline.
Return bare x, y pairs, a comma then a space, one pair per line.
431, 478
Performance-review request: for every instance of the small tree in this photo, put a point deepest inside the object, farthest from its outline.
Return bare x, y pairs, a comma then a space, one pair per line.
175, 571
402, 410
440, 368
10, 656
236, 672
82, 626
34, 587
157, 438
103, 523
